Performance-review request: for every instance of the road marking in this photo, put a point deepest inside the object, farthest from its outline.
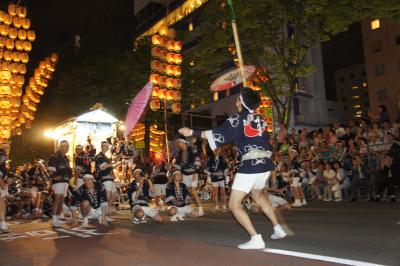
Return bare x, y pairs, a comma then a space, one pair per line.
320, 257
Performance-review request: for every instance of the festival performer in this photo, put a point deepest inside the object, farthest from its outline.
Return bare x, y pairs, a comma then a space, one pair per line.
185, 161
60, 172
217, 169
178, 199
248, 131
3, 192
91, 199
139, 198
81, 164
105, 175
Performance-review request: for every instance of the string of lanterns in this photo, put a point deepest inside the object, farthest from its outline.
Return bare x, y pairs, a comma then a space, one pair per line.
266, 111
157, 139
16, 108
166, 70
137, 136
15, 44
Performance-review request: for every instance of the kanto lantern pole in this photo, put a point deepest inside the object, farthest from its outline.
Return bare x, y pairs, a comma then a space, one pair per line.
237, 43
166, 129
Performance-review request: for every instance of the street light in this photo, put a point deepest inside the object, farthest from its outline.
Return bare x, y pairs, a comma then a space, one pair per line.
121, 127
49, 134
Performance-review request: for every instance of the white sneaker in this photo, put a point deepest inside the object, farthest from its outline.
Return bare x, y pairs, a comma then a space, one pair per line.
279, 233
224, 209
135, 220
256, 242
109, 219
181, 217
201, 211
303, 202
297, 203
173, 218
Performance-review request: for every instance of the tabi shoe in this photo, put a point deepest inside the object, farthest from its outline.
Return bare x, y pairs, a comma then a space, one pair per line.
201, 211
297, 203
181, 217
109, 219
303, 202
135, 220
174, 218
256, 242
279, 233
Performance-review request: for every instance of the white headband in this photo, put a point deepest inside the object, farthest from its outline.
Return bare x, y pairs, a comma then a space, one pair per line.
244, 105
175, 172
86, 176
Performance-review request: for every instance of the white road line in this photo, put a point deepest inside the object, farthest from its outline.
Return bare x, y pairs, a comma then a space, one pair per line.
320, 257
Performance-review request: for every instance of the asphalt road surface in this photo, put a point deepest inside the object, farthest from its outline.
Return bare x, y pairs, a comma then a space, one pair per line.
326, 233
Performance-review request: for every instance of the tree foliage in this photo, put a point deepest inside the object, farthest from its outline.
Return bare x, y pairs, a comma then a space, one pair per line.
276, 36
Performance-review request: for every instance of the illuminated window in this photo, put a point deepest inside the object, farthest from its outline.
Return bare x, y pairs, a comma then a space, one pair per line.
354, 87
356, 96
190, 26
375, 24
356, 106
364, 84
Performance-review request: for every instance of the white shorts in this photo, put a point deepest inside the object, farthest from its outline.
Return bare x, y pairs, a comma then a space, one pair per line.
60, 188
160, 189
148, 211
247, 182
128, 162
110, 186
219, 184
95, 214
79, 183
187, 210
190, 180
276, 201
296, 182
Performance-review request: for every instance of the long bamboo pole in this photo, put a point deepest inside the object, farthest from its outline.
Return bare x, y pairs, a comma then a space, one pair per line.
237, 43
166, 129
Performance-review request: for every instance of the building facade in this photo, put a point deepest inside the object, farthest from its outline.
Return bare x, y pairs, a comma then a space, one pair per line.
381, 38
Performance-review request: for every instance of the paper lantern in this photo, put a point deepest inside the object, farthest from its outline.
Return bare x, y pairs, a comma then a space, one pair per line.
12, 33
170, 45
2, 14
5, 90
9, 43
16, 91
177, 95
18, 131
177, 71
16, 22
14, 68
155, 52
22, 35
163, 31
3, 30
2, 42
1, 54
170, 58
7, 19
21, 69
176, 108
161, 94
177, 83
169, 83
21, 119
26, 23
178, 46
12, 9
24, 58
22, 11
5, 133
16, 57
169, 70
19, 80
157, 40
7, 55
154, 79
171, 33
19, 45
31, 35
155, 105
178, 59
154, 92
5, 75
168, 95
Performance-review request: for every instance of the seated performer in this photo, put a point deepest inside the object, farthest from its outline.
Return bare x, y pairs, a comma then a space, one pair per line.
248, 131
178, 199
139, 197
91, 198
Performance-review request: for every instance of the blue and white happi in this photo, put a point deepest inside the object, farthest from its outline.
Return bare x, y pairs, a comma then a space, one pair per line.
248, 132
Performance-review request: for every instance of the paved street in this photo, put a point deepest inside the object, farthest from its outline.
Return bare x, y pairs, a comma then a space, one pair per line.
361, 232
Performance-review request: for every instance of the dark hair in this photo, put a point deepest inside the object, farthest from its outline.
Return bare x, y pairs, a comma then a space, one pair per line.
104, 142
63, 141
251, 98
383, 107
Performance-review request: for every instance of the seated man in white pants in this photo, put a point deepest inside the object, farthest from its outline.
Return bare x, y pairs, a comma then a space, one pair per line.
139, 197
91, 199
178, 199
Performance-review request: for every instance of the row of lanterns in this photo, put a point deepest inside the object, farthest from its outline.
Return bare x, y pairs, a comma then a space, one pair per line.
266, 111
166, 71
15, 44
137, 136
157, 139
